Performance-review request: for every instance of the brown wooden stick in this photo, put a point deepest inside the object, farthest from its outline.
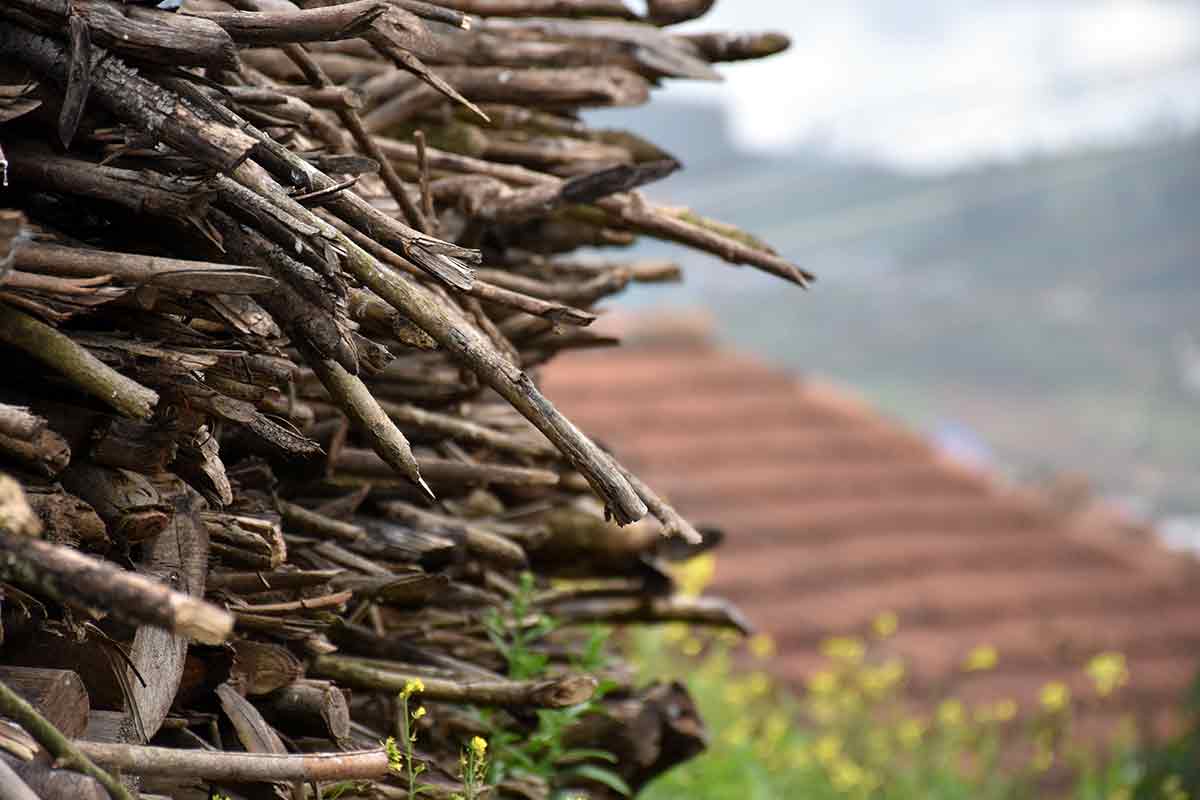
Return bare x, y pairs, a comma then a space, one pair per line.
462, 430
142, 33
80, 367
68, 576
237, 767
324, 24
542, 8
251, 582
480, 542
168, 273
16, 515
469, 346
135, 100
554, 311
435, 13
351, 119
676, 608
716, 47
569, 690
302, 520
356, 400
354, 461
20, 423
317, 708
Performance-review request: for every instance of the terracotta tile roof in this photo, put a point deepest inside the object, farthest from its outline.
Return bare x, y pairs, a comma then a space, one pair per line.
834, 514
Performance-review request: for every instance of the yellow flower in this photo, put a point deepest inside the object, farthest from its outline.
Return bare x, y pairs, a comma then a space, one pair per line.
1172, 788
879, 746
758, 684
479, 746
692, 647
882, 679
776, 726
412, 686
844, 650
1004, 710
799, 757
675, 633
1043, 760
695, 574
846, 776
1000, 711
982, 658
394, 756
828, 748
885, 624
1055, 696
1108, 672
951, 713
420, 712
823, 682
739, 732
736, 693
762, 646
910, 732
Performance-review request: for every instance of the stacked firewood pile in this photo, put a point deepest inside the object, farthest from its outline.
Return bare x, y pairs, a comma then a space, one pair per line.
271, 276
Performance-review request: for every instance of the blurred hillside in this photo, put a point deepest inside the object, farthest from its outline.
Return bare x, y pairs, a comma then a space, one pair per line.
1047, 305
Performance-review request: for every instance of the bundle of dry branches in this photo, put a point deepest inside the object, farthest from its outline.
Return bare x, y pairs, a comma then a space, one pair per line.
271, 278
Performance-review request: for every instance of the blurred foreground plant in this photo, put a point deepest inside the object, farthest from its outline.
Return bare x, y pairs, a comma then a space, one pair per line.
852, 734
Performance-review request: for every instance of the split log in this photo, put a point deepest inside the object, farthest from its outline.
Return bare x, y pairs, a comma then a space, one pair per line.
311, 707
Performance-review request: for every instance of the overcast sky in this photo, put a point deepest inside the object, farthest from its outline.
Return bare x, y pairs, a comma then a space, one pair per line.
941, 83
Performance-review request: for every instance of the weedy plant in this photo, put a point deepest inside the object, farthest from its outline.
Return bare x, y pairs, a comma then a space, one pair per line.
404, 762
473, 768
516, 630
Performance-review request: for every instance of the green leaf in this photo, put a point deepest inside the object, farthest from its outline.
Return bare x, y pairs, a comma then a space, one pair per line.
585, 753
603, 776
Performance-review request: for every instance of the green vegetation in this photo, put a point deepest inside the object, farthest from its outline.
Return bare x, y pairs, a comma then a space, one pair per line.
851, 734
516, 630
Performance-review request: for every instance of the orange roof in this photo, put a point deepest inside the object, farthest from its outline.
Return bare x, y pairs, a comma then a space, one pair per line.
834, 514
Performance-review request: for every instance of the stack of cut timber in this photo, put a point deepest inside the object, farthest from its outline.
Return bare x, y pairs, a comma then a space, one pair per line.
271, 276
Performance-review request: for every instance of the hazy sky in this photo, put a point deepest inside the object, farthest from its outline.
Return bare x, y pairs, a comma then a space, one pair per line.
940, 83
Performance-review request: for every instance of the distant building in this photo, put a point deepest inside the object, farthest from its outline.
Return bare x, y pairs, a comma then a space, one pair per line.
834, 514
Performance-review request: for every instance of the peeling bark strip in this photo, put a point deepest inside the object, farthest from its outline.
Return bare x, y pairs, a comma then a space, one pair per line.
237, 767
68, 576
134, 99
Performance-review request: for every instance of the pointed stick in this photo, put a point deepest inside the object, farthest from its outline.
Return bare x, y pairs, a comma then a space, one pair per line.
354, 398
351, 119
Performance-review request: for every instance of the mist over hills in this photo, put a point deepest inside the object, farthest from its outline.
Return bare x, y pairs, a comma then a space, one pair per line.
1047, 304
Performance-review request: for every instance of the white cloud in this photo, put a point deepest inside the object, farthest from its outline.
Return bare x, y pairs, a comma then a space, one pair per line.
942, 82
